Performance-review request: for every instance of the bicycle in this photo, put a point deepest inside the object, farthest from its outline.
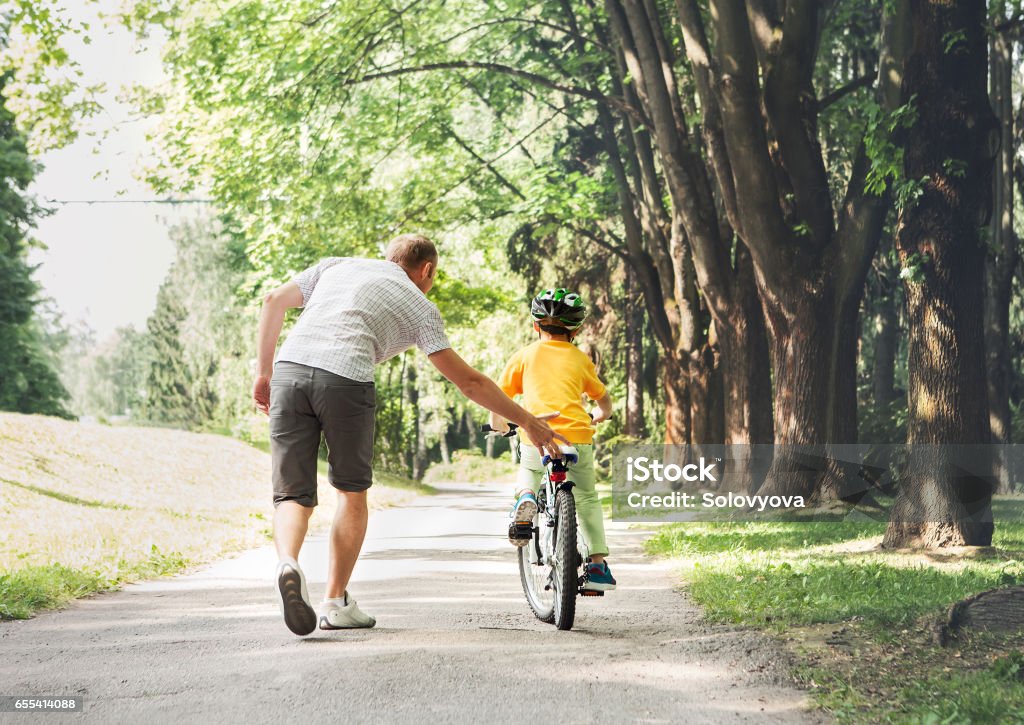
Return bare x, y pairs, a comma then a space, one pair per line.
549, 565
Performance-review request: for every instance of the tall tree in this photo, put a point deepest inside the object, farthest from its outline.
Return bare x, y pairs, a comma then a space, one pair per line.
199, 335
949, 154
634, 424
1003, 248
30, 383
754, 76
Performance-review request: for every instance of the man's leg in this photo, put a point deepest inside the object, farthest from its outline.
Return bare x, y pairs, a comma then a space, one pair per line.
291, 520
347, 533
294, 440
346, 409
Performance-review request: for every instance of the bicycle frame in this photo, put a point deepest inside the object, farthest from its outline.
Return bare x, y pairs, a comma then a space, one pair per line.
556, 478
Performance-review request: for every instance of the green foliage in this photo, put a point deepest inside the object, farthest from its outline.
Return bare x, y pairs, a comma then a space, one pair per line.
30, 383
107, 380
883, 423
914, 267
885, 152
951, 40
45, 83
199, 339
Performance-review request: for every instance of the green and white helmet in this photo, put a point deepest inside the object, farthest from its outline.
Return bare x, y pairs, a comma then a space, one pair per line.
561, 305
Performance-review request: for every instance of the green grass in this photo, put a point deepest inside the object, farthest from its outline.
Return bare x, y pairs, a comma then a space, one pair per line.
808, 591
797, 580
931, 694
470, 466
34, 588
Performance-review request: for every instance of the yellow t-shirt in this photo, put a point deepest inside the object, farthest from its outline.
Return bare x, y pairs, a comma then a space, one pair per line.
553, 375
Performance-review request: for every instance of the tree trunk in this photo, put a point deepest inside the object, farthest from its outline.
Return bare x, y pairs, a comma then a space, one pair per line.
1003, 257
746, 368
942, 502
705, 396
802, 331
746, 377
675, 376
419, 452
883, 365
446, 456
635, 425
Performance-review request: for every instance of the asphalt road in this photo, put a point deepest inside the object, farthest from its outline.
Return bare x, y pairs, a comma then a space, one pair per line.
455, 641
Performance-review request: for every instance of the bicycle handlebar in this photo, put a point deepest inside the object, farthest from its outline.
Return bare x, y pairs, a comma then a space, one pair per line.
486, 428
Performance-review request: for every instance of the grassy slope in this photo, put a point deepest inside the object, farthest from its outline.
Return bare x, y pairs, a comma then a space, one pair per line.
473, 466
86, 507
858, 617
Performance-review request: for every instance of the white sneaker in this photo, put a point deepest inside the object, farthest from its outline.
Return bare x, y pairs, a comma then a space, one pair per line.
299, 615
334, 615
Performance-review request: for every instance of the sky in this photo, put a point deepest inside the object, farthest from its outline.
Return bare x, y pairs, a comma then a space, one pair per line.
103, 262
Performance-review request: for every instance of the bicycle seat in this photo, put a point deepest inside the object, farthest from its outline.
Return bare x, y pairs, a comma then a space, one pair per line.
569, 455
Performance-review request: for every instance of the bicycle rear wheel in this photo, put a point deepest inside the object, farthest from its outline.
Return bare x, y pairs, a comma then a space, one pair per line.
565, 560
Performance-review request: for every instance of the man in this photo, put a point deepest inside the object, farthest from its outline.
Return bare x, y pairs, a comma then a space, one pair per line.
357, 313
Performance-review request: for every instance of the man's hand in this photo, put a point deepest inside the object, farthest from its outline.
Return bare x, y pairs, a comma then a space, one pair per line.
546, 440
275, 304
261, 394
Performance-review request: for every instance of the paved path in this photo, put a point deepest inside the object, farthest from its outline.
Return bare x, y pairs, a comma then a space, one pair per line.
455, 641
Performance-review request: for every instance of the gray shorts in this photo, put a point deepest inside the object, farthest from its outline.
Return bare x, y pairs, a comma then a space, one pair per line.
306, 402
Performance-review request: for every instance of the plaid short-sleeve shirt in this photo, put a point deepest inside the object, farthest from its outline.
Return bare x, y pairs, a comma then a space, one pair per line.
356, 314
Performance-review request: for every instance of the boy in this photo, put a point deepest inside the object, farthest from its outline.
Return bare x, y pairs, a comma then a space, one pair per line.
553, 375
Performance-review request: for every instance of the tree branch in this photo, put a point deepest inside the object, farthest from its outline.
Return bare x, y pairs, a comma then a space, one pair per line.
763, 227
485, 163
699, 52
536, 78
865, 81
791, 107
509, 20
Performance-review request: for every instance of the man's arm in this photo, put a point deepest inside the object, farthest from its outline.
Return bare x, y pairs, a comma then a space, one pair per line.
482, 390
275, 304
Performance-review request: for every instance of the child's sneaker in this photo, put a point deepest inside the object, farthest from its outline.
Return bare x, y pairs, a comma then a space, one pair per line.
525, 508
599, 577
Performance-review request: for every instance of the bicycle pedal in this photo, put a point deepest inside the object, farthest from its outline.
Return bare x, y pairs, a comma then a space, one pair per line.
590, 593
520, 530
